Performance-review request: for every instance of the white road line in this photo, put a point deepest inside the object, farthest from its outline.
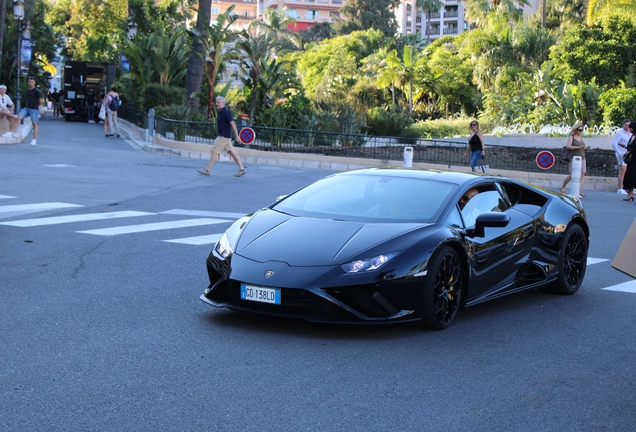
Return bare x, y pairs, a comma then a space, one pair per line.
204, 213
129, 229
629, 287
6, 196
591, 260
197, 241
36, 207
74, 218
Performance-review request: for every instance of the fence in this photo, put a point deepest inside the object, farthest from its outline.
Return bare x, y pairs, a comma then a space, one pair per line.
600, 163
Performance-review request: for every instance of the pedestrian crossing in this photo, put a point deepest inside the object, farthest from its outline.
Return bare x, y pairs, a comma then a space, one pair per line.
122, 219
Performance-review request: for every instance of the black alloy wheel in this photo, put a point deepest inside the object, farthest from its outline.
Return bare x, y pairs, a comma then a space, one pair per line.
442, 289
572, 262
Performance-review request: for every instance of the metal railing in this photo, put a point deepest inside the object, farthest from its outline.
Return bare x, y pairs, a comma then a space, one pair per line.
134, 116
600, 163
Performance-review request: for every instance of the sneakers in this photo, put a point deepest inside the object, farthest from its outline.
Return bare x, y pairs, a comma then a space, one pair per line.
240, 173
621, 192
117, 135
8, 134
204, 172
33, 142
109, 135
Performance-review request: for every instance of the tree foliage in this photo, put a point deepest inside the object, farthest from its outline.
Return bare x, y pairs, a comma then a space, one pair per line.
368, 14
605, 51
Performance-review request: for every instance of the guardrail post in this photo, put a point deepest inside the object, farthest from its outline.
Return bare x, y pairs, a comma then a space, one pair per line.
151, 125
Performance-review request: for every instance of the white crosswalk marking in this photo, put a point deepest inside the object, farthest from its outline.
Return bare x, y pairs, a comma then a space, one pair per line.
629, 287
6, 196
203, 213
128, 229
36, 207
591, 260
197, 241
74, 218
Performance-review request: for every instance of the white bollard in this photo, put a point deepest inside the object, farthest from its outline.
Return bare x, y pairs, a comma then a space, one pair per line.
575, 184
408, 157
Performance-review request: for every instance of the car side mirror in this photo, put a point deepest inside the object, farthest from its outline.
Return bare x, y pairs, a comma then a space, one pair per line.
488, 220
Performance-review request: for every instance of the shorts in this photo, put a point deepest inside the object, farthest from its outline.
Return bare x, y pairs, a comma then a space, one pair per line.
619, 159
583, 167
222, 143
28, 112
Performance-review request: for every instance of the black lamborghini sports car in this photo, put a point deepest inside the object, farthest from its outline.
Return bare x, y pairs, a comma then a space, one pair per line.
394, 245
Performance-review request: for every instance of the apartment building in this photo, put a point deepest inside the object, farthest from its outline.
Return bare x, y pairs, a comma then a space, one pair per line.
448, 20
305, 12
246, 10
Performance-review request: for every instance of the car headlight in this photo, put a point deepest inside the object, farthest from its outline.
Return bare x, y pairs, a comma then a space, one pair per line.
367, 264
223, 247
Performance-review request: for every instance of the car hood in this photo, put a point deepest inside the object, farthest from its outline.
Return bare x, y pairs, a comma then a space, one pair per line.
302, 241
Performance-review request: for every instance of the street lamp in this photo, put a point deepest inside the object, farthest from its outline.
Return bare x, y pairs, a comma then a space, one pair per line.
18, 14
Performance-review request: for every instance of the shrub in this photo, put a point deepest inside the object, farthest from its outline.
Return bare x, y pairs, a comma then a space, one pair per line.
618, 104
154, 95
387, 123
443, 128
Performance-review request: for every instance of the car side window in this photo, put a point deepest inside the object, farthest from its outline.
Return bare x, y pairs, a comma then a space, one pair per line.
454, 218
487, 201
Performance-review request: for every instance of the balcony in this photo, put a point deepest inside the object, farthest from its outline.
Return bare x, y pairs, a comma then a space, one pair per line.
433, 15
451, 30
451, 14
433, 31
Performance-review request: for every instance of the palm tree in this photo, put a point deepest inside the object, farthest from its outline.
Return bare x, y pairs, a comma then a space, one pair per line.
598, 8
214, 41
400, 71
194, 77
255, 47
276, 24
428, 7
477, 11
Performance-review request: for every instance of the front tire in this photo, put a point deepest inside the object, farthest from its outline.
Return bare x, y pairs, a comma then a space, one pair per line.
572, 262
442, 289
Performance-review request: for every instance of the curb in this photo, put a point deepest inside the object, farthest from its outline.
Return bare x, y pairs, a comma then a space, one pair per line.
335, 163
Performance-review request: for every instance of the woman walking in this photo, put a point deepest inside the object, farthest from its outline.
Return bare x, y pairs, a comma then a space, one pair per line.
629, 180
476, 145
576, 144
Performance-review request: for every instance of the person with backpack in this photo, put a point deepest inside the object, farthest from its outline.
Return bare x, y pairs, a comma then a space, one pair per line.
112, 103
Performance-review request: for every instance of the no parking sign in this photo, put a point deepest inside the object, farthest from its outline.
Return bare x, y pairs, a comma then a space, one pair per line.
545, 159
247, 135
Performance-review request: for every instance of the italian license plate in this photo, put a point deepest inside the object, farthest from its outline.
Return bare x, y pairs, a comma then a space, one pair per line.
260, 294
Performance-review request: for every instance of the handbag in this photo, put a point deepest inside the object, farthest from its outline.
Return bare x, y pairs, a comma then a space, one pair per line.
627, 158
566, 154
483, 167
102, 112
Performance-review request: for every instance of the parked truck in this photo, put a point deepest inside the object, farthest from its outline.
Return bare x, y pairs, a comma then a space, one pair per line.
78, 78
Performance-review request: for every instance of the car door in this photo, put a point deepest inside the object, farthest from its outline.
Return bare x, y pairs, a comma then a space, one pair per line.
496, 258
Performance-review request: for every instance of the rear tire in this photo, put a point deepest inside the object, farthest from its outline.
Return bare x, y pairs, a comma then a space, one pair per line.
442, 289
572, 262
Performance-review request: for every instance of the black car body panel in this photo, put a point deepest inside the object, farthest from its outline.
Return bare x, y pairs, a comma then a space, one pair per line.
308, 256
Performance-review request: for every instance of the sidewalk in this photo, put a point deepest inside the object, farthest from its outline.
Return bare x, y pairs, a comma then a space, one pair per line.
303, 160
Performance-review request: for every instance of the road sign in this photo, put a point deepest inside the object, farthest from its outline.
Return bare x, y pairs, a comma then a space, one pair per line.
247, 135
545, 159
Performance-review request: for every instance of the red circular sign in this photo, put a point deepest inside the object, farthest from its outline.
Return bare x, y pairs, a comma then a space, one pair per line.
247, 135
545, 159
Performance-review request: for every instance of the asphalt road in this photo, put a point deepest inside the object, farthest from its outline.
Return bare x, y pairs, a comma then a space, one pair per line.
107, 332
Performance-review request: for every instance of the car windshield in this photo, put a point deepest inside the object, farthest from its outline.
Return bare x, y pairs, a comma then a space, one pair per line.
369, 198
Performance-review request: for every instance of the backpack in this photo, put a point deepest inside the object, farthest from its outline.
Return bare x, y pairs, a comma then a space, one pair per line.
114, 103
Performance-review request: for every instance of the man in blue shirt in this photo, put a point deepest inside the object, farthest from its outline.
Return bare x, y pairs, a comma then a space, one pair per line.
225, 125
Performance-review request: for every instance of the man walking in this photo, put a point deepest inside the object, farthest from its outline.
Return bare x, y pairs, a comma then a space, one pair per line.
619, 144
224, 125
34, 98
90, 105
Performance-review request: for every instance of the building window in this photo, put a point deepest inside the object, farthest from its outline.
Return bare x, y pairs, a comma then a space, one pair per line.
215, 11
312, 14
292, 13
